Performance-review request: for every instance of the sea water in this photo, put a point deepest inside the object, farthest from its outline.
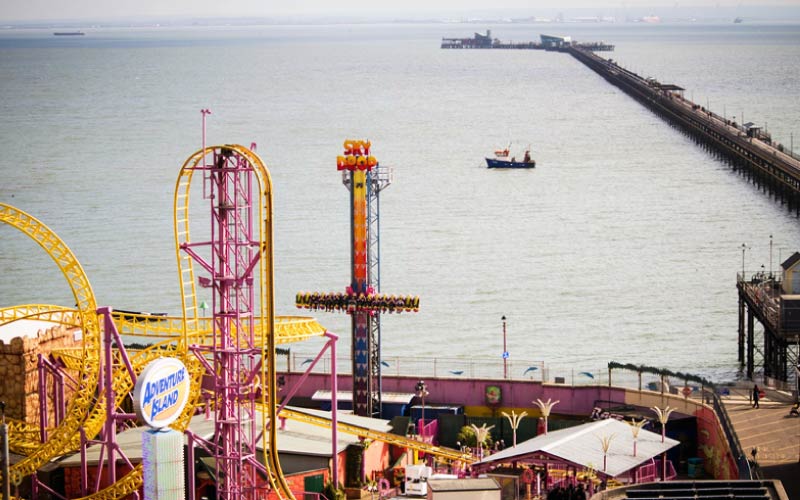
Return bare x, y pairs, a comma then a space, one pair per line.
623, 244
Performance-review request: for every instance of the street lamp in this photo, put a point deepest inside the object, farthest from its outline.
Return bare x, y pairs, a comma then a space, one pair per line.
770, 256
635, 428
546, 407
514, 420
663, 417
505, 350
744, 249
481, 433
422, 391
605, 444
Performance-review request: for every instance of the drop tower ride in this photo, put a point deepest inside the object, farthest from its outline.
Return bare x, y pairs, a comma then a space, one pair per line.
365, 178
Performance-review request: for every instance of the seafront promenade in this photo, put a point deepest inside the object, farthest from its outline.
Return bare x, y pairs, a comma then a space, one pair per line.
770, 431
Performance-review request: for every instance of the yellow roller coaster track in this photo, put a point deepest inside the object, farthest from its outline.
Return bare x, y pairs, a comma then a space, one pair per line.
84, 411
175, 334
265, 297
40, 312
287, 328
440, 452
83, 408
24, 437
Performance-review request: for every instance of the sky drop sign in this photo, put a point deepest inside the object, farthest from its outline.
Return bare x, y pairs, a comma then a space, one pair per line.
161, 392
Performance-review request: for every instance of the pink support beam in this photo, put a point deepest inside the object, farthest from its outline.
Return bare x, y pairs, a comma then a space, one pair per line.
334, 412
110, 451
42, 399
233, 256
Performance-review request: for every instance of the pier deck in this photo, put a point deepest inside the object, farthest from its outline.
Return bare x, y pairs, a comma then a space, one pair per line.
746, 147
481, 41
769, 430
761, 298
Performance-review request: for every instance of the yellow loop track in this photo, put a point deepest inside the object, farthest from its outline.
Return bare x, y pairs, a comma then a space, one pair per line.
83, 410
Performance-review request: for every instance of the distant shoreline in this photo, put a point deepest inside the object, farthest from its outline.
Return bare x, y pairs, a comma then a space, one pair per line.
754, 14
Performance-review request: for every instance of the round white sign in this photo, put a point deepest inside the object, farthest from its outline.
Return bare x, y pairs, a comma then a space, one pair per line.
161, 392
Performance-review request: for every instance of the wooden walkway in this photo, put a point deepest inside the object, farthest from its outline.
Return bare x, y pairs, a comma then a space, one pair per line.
749, 149
770, 431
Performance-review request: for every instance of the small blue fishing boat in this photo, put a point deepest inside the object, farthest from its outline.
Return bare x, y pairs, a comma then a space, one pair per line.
502, 160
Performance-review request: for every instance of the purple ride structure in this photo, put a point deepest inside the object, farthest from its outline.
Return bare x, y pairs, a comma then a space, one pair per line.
238, 256
235, 349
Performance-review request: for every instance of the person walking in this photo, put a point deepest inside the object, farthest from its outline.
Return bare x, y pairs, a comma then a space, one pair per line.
756, 395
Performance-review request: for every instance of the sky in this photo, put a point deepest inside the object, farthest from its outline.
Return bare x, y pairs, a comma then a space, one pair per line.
40, 10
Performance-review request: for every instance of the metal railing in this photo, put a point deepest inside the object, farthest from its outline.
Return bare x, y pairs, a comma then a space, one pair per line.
468, 368
742, 463
484, 368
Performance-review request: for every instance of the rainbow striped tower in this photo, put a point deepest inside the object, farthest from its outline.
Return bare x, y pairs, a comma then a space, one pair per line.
365, 350
365, 179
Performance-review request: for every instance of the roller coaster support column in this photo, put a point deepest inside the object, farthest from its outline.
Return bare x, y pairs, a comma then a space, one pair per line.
331, 344
365, 179
233, 300
111, 455
334, 413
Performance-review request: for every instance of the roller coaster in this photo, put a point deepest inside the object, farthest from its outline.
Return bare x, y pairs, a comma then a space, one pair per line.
236, 346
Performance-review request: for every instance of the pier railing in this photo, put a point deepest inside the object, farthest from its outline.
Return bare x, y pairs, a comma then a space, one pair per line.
430, 367
493, 369
745, 471
763, 291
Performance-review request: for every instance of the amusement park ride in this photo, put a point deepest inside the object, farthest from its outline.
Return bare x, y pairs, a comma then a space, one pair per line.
236, 347
229, 358
365, 178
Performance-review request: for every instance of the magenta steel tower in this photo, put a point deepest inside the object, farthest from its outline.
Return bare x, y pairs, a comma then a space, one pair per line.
237, 258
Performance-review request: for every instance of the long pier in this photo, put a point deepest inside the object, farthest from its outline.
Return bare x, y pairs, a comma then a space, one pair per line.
747, 148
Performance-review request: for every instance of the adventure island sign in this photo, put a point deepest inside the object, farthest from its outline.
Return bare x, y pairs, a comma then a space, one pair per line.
161, 392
